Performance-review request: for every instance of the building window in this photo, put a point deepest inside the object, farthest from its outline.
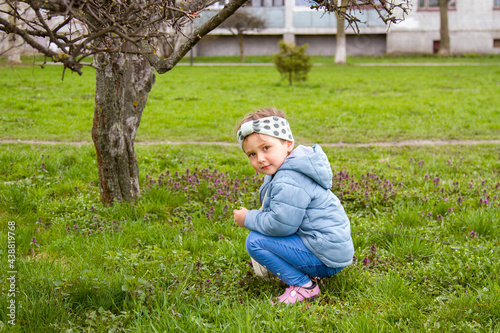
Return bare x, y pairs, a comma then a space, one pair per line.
252, 3
220, 4
496, 43
434, 4
266, 3
496, 4
302, 3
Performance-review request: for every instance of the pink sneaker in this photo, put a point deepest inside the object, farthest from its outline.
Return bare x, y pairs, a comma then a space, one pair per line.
298, 294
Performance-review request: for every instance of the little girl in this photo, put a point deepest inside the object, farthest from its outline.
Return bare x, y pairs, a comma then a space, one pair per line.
301, 231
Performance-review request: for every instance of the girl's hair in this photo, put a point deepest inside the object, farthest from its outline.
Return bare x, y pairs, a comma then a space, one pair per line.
262, 113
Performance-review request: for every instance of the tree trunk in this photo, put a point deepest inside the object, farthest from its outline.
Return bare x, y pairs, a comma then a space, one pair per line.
123, 82
341, 47
240, 43
444, 44
14, 58
13, 40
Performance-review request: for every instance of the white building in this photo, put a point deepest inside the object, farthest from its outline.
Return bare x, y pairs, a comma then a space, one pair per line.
474, 27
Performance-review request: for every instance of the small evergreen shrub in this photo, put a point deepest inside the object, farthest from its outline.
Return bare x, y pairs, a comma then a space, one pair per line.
292, 62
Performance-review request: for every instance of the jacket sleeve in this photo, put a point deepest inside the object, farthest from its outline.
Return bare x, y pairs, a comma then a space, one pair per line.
287, 207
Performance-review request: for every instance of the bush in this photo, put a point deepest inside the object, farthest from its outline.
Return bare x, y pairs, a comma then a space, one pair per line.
292, 62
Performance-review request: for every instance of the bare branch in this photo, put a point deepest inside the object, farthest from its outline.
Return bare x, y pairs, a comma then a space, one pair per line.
84, 28
44, 24
65, 59
164, 65
389, 11
243, 21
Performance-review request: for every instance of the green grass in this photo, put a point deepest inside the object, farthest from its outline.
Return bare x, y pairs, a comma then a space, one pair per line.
249, 59
425, 220
337, 104
493, 59
427, 250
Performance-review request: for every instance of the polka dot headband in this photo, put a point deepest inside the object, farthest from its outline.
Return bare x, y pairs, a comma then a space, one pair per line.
272, 126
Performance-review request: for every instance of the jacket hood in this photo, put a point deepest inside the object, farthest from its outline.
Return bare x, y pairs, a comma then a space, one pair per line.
312, 162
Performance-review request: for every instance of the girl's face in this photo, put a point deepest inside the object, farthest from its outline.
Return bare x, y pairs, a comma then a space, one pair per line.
266, 153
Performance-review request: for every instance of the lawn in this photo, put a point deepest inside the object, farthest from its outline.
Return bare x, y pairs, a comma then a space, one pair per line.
337, 104
425, 220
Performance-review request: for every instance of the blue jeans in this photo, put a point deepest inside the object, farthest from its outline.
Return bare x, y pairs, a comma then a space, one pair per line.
287, 258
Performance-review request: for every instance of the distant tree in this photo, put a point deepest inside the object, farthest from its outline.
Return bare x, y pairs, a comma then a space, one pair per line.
292, 62
341, 47
122, 38
10, 44
444, 43
240, 23
389, 11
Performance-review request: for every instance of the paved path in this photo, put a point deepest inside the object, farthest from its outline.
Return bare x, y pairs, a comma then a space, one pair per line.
267, 64
366, 64
325, 144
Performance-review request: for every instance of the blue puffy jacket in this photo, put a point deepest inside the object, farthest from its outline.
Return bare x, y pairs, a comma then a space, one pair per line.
299, 201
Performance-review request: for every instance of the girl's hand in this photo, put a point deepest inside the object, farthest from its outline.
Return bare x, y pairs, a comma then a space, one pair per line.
239, 216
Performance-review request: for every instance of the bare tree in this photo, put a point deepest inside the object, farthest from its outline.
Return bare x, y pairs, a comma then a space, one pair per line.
122, 37
341, 47
444, 43
389, 11
10, 44
240, 23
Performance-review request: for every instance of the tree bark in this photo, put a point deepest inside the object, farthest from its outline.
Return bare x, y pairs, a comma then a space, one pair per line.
341, 47
14, 58
240, 43
13, 40
123, 82
444, 43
